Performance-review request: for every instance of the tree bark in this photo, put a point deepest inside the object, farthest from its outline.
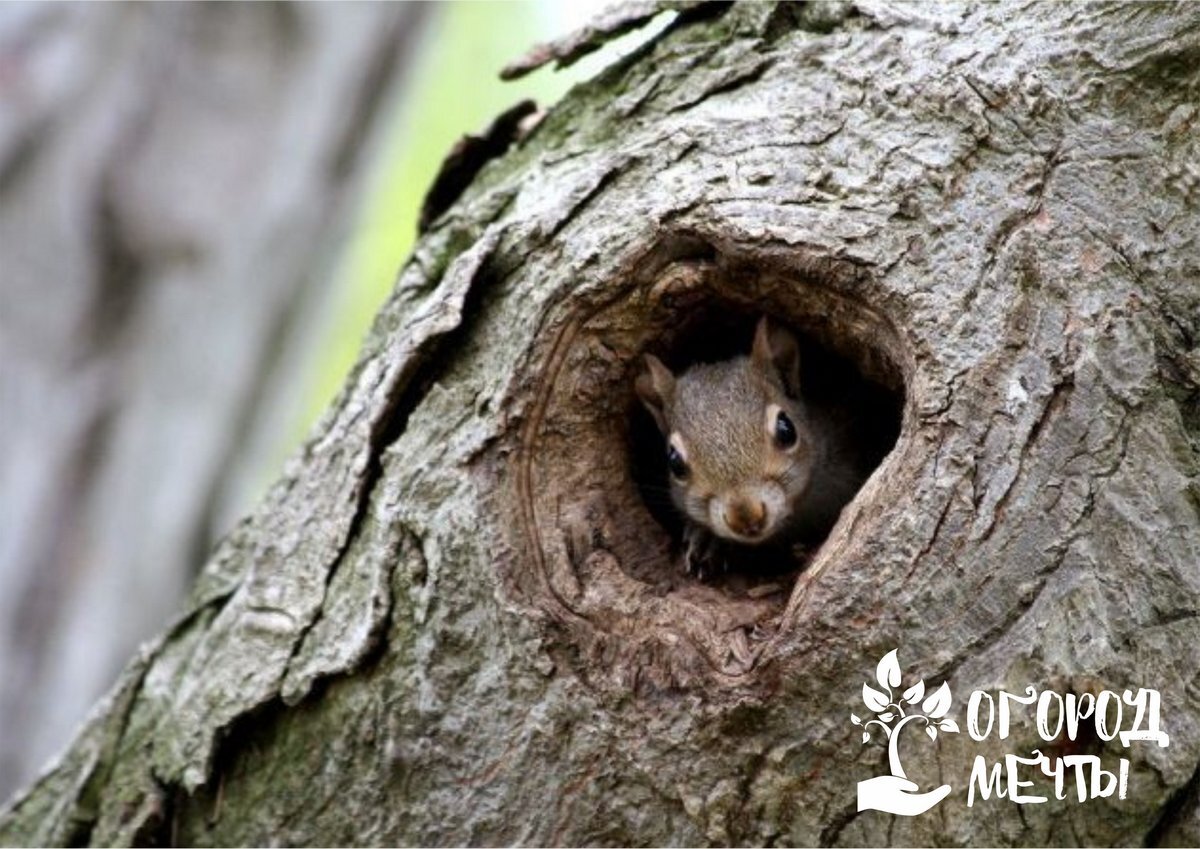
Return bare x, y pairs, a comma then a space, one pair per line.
174, 181
455, 619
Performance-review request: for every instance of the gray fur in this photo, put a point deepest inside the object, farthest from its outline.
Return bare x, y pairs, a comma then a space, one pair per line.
720, 413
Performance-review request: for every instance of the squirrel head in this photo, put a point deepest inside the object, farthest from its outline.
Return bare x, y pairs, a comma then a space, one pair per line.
739, 451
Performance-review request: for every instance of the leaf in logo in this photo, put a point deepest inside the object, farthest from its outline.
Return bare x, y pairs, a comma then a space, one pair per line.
887, 673
948, 725
931, 731
866, 737
874, 700
855, 719
938, 705
913, 694
887, 717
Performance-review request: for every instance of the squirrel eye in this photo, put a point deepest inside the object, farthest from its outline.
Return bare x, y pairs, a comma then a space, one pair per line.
676, 463
785, 431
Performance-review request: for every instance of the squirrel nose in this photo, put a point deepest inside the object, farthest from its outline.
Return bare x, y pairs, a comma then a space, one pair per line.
746, 517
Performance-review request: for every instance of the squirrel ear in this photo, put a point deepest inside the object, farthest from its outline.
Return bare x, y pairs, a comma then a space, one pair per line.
775, 351
655, 386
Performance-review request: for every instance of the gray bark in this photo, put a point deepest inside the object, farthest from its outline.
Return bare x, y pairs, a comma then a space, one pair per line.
174, 181
454, 618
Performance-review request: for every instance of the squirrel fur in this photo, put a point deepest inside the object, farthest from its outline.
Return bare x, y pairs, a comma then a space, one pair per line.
751, 460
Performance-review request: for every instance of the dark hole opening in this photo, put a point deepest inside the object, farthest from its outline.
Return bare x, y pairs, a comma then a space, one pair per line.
871, 414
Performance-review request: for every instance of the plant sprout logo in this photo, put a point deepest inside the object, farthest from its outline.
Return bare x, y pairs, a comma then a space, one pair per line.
895, 793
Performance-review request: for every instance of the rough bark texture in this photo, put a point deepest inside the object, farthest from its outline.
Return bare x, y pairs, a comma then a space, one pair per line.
455, 619
173, 183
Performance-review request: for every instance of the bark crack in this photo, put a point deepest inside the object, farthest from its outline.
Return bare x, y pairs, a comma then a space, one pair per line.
730, 81
1057, 399
605, 179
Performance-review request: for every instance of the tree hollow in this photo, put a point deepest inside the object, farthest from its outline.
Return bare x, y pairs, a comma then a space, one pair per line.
596, 517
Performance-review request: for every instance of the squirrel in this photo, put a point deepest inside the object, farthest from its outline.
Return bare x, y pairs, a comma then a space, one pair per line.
751, 461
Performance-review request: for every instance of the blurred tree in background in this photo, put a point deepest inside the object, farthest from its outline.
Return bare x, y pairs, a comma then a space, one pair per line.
201, 208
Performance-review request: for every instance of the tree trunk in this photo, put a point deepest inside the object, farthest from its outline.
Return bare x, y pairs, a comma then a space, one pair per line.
455, 618
173, 183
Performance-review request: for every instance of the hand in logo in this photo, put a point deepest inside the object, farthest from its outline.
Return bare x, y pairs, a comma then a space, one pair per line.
894, 795
894, 710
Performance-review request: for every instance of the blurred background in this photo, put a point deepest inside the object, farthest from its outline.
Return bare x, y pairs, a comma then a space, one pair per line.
201, 208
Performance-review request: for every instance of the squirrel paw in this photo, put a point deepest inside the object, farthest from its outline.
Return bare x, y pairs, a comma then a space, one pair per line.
702, 556
803, 552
